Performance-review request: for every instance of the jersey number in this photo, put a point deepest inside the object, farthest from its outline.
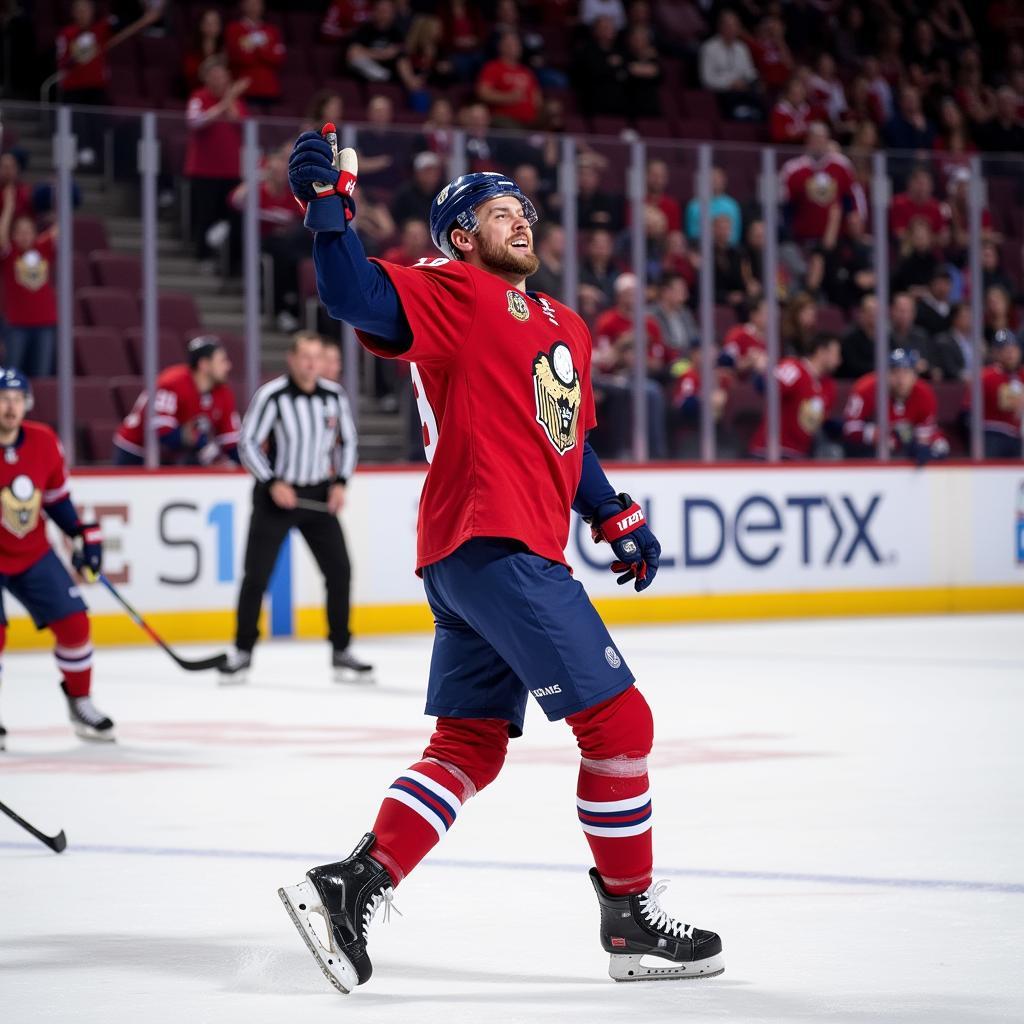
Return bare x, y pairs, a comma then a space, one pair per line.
428, 421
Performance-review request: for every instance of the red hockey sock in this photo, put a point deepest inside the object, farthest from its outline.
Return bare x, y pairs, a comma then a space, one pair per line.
612, 796
463, 756
74, 652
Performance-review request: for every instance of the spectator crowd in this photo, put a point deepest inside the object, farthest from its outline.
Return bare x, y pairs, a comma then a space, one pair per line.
830, 83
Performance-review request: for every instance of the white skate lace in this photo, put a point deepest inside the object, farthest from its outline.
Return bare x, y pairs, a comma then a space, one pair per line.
87, 711
657, 917
385, 898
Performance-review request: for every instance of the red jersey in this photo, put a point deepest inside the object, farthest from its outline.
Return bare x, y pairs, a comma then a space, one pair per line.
81, 56
276, 209
180, 404
343, 17
32, 477
502, 383
904, 209
772, 60
610, 326
255, 51
740, 341
214, 146
500, 74
30, 299
804, 402
912, 419
788, 125
999, 390
813, 188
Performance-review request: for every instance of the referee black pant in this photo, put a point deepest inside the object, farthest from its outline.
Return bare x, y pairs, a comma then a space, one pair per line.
267, 530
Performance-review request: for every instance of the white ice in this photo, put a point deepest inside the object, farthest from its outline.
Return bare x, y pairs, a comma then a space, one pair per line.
842, 801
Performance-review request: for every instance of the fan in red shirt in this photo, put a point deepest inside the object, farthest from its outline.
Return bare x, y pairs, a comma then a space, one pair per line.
913, 429
814, 183
343, 17
918, 201
34, 488
806, 396
508, 86
214, 114
744, 346
11, 166
771, 53
256, 52
791, 116
30, 300
194, 412
1002, 392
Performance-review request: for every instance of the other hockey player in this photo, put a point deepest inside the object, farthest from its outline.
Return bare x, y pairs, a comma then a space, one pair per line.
502, 379
1002, 391
34, 488
913, 430
196, 419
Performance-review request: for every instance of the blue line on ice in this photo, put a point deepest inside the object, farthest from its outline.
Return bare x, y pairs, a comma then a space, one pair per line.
961, 885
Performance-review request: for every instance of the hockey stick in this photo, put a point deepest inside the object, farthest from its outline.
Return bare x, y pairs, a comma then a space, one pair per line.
199, 665
56, 843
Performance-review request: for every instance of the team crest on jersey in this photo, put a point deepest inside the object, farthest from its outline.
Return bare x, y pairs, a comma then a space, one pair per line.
559, 396
517, 305
20, 502
32, 270
811, 415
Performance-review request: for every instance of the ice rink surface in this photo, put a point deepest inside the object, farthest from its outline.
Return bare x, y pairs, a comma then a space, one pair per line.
842, 801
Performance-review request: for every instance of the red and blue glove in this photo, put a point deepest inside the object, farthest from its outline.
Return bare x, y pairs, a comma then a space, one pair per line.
323, 180
621, 522
87, 555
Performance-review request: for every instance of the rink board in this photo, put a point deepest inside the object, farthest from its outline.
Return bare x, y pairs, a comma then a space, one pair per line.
738, 542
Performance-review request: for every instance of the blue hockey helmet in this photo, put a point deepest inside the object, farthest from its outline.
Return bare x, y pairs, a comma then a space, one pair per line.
457, 202
902, 359
14, 380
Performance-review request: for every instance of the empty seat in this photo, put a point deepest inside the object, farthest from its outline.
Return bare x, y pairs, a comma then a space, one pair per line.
110, 307
700, 104
169, 348
725, 317
116, 270
177, 311
89, 233
44, 395
100, 352
94, 400
125, 391
99, 440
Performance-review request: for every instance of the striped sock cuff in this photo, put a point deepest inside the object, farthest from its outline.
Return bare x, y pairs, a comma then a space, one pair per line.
73, 659
616, 819
436, 804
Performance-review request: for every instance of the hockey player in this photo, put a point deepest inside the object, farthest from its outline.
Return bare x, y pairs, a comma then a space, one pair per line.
502, 379
1002, 390
913, 407
807, 393
33, 480
196, 419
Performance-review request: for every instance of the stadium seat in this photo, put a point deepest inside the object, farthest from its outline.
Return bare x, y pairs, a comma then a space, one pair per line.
693, 129
309, 298
832, 319
725, 317
89, 233
99, 352
743, 413
81, 271
94, 400
44, 396
700, 105
116, 270
125, 391
169, 348
740, 131
99, 440
234, 345
110, 307
602, 124
177, 311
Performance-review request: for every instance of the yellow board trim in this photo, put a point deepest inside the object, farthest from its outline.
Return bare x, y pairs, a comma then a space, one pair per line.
116, 629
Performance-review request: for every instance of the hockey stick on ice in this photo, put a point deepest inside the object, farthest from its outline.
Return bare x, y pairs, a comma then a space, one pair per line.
198, 665
56, 843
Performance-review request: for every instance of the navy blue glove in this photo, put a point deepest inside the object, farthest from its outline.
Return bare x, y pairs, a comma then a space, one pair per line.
322, 191
87, 555
621, 522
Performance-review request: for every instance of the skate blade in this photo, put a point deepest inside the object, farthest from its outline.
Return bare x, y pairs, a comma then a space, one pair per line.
83, 732
300, 901
352, 678
624, 967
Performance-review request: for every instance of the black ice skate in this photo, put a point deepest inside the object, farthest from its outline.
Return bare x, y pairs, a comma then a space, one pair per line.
349, 669
346, 895
89, 722
235, 668
635, 928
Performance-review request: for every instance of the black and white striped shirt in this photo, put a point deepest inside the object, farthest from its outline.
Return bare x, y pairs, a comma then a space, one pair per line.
310, 437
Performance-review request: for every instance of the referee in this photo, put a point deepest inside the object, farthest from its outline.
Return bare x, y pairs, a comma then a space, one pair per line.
299, 441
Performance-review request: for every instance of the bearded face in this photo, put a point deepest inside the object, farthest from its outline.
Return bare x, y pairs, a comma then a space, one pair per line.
507, 256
